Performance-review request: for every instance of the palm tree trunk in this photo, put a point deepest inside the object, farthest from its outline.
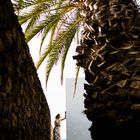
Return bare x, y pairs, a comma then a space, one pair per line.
24, 112
110, 55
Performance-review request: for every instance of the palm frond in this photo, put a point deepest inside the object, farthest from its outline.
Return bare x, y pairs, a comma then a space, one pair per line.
31, 13
70, 33
20, 5
44, 34
31, 23
44, 54
31, 10
56, 49
59, 19
32, 33
27, 17
52, 23
22, 19
53, 49
76, 79
66, 49
51, 19
53, 56
35, 15
46, 25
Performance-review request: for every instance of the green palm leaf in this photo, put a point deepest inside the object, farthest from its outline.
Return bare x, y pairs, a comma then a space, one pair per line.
47, 50
54, 20
32, 33
57, 19
45, 33
71, 32
76, 79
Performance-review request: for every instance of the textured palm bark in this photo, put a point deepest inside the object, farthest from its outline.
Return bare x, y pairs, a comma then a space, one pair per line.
24, 112
110, 55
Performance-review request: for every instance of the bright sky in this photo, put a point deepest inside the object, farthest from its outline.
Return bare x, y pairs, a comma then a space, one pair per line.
55, 93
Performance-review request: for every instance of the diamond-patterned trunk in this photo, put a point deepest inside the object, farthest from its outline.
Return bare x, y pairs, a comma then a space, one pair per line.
110, 55
24, 112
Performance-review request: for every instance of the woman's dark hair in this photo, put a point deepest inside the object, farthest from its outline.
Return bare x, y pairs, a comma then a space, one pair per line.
57, 116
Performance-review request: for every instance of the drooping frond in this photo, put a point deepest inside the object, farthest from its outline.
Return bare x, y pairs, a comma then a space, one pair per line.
56, 21
59, 48
76, 79
71, 33
43, 11
35, 14
20, 5
32, 33
48, 49
45, 33
53, 56
45, 26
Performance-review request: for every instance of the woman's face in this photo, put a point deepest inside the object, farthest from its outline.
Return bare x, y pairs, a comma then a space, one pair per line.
59, 116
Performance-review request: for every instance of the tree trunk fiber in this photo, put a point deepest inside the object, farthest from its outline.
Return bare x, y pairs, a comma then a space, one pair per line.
24, 112
110, 55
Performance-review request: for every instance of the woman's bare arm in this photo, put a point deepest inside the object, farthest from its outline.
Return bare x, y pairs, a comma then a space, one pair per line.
64, 117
